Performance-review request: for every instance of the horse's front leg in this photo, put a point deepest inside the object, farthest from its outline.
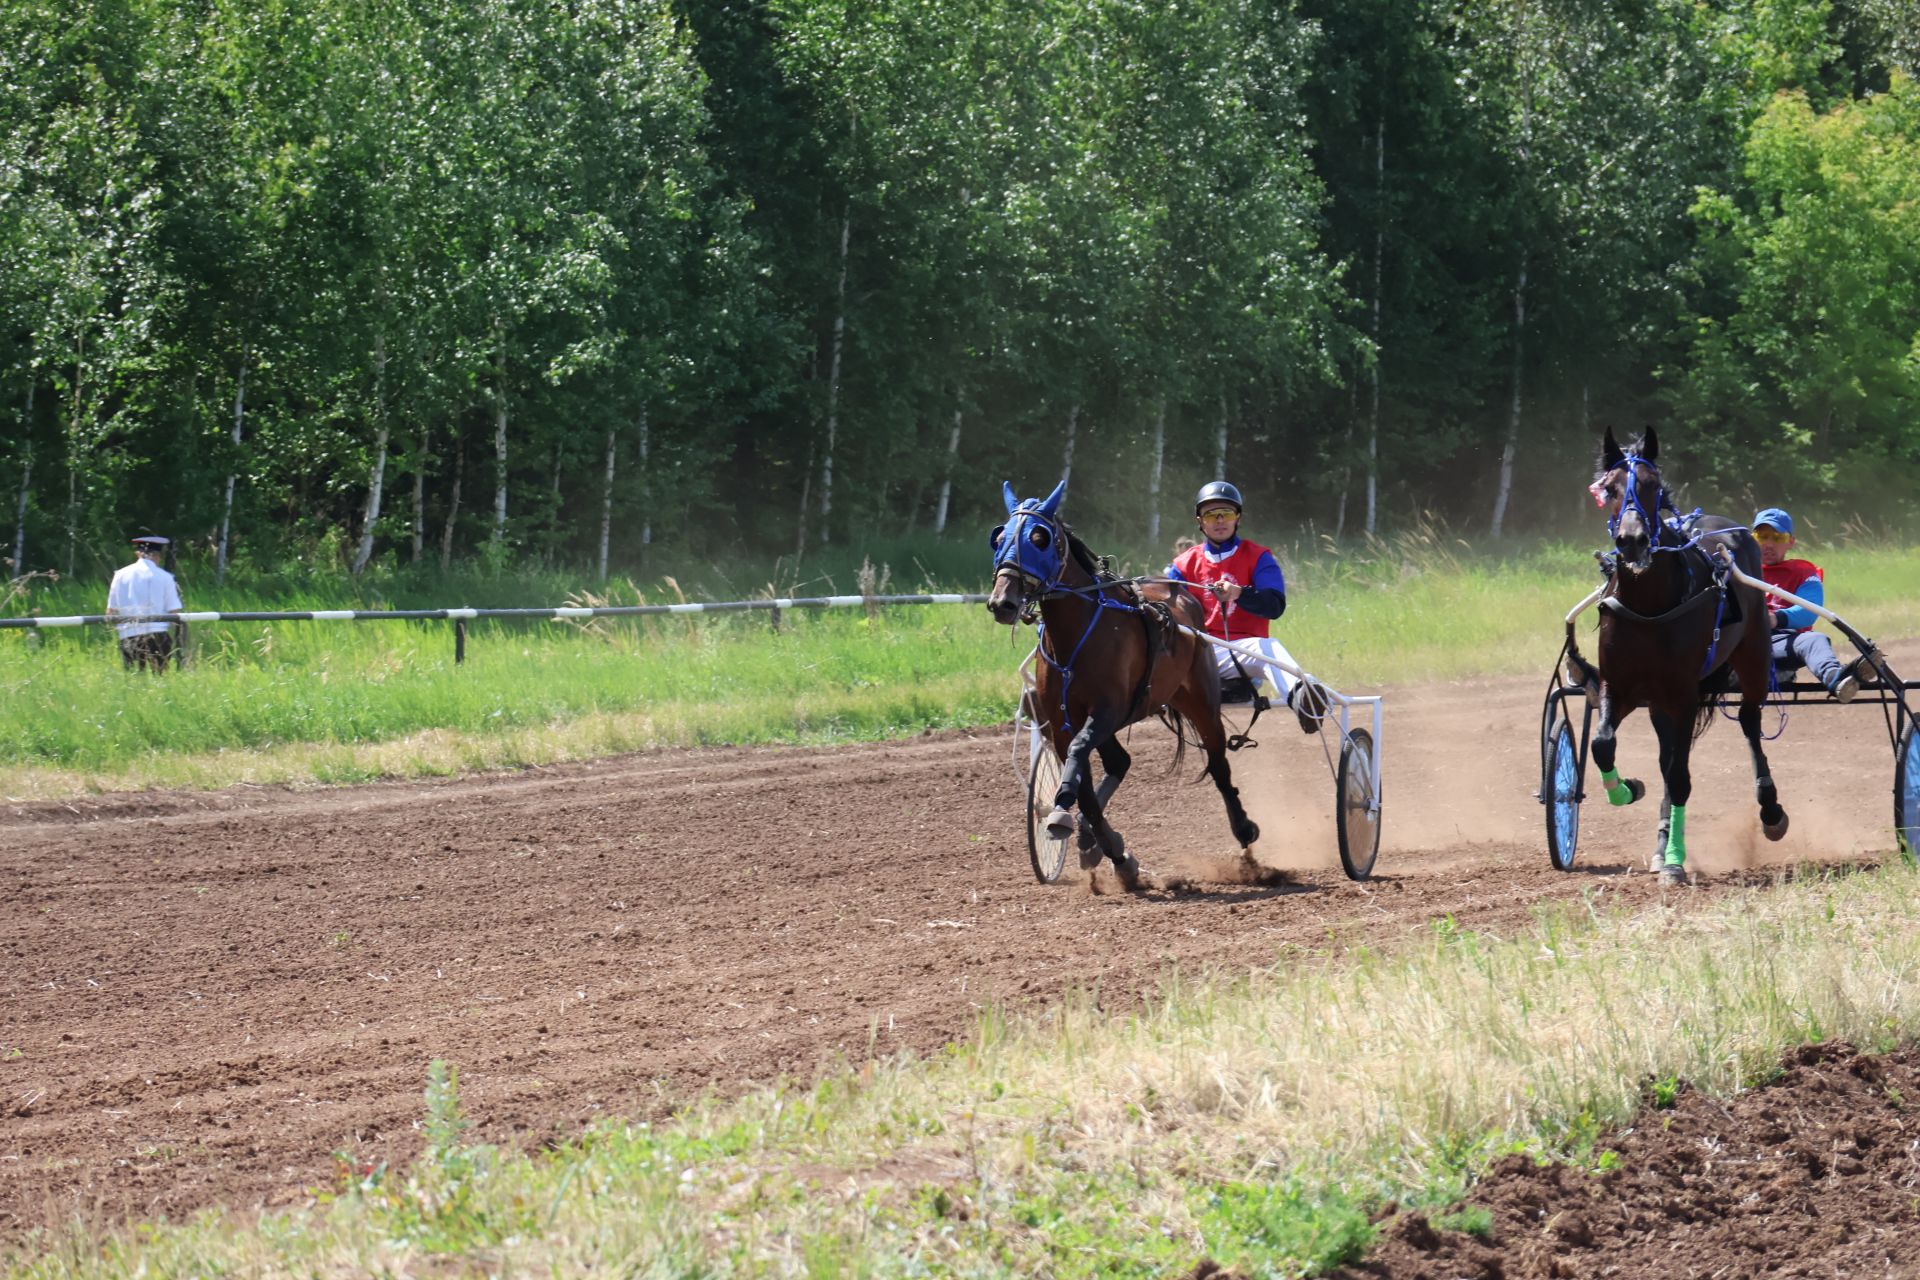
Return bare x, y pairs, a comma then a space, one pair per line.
1619, 790
1676, 755
1076, 769
1114, 762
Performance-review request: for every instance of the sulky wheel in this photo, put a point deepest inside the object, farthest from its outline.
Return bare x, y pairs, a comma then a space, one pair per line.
1046, 854
1356, 799
1560, 790
1906, 791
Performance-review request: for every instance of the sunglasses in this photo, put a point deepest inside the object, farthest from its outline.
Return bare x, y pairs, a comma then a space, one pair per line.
1220, 513
1771, 536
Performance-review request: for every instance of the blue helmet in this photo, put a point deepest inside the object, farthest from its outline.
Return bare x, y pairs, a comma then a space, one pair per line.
1217, 491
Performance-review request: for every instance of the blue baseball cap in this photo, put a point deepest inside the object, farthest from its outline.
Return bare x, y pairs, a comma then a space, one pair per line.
1774, 518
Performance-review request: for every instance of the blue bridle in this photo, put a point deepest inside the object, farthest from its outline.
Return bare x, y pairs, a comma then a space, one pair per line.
1661, 501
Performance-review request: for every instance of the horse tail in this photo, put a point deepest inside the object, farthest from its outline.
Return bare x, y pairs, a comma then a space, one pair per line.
1711, 689
1171, 717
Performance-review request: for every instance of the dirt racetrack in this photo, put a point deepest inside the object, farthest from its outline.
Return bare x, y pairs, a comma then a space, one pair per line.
203, 996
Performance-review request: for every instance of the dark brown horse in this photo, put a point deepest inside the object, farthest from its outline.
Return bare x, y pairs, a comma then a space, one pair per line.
1675, 630
1111, 655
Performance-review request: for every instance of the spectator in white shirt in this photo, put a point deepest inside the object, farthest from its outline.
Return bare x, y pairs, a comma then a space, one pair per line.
143, 587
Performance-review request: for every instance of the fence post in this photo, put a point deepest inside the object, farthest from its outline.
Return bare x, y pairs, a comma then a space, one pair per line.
459, 641
773, 616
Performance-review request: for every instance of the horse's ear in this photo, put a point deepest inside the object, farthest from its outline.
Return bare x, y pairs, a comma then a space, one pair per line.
1610, 455
1052, 504
1650, 446
1006, 487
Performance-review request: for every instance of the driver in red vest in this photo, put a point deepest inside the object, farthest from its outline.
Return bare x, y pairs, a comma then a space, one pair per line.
1241, 588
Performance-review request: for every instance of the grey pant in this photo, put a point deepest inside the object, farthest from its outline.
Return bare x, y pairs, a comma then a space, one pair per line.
1807, 649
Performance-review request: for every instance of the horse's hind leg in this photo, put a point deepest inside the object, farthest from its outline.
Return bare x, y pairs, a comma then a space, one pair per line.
1115, 761
1196, 709
1773, 817
1753, 666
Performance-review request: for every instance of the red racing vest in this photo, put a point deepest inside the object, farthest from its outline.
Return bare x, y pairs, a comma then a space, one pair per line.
1224, 621
1788, 575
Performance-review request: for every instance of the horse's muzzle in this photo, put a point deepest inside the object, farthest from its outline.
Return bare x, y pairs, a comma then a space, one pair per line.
1636, 552
1005, 602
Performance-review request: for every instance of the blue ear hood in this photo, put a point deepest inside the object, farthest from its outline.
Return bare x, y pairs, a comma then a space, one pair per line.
1050, 507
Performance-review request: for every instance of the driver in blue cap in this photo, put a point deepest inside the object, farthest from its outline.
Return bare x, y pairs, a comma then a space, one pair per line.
1794, 639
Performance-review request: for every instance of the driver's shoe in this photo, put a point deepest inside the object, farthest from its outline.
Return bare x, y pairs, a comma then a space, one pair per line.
1236, 689
1309, 703
1847, 687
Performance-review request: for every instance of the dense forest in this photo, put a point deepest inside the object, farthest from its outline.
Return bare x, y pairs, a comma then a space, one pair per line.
395, 281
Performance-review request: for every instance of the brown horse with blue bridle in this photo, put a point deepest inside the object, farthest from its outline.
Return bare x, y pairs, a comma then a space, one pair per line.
1676, 631
1112, 654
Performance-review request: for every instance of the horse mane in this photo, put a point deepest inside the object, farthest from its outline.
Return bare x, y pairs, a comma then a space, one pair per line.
1083, 555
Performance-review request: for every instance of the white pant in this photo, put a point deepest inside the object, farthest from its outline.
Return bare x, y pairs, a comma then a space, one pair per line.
1255, 655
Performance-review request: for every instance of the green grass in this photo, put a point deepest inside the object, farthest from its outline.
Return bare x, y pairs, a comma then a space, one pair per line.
1259, 1119
342, 702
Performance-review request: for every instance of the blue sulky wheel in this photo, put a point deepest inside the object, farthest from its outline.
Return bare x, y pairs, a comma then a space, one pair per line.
1356, 796
1560, 789
1906, 791
1046, 854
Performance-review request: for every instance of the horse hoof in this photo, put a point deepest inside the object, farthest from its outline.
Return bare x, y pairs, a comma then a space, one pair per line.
1091, 858
1775, 831
1252, 838
1127, 871
1059, 824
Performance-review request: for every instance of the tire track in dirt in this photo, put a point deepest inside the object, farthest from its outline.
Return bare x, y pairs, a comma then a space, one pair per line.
209, 995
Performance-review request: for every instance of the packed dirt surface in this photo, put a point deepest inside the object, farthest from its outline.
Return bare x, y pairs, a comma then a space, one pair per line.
1812, 1175
204, 996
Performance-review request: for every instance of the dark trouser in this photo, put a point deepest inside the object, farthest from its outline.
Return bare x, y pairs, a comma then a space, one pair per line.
151, 651
1809, 649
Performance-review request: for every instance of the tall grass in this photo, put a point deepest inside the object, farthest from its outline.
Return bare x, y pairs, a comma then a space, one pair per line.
333, 702
1256, 1120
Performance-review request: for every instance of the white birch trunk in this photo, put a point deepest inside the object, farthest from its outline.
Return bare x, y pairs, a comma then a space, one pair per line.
377, 482
806, 496
421, 464
500, 432
833, 383
1220, 442
73, 452
946, 481
226, 505
1513, 418
1073, 432
606, 505
453, 501
26, 487
1379, 252
646, 481
1153, 477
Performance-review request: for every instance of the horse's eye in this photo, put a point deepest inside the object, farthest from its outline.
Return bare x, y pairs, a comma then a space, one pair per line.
993, 539
1040, 537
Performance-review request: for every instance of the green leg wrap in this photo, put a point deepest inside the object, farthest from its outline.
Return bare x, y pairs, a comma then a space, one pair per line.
1677, 837
1618, 792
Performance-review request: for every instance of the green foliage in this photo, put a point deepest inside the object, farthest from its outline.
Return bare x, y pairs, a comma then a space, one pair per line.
1283, 1228
1812, 367
535, 285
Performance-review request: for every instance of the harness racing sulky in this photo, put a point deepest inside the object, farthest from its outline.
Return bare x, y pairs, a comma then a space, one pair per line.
1111, 652
1683, 632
